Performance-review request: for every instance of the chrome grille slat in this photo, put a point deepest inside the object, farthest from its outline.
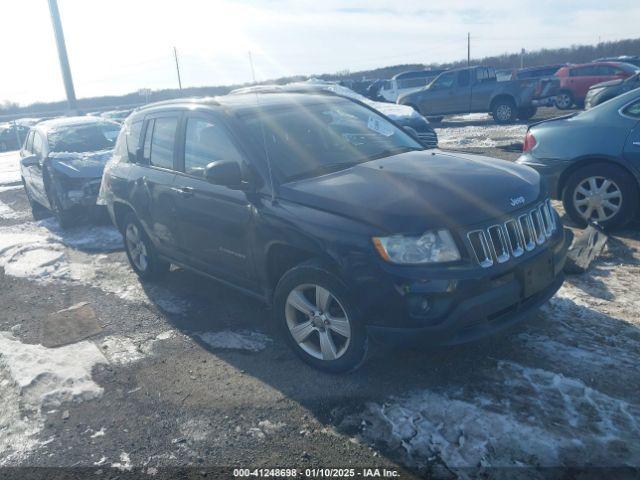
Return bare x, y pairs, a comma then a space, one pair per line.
498, 243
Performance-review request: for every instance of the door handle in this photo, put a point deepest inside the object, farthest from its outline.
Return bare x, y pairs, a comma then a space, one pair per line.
184, 191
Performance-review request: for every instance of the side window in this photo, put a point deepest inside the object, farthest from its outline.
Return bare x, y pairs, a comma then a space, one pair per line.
582, 72
463, 78
146, 152
28, 146
37, 144
133, 139
206, 142
633, 110
444, 81
163, 141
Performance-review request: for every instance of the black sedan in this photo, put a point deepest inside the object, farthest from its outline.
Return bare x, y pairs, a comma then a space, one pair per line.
62, 162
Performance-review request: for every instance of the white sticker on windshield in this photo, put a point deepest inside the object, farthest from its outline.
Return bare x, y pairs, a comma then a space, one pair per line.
381, 127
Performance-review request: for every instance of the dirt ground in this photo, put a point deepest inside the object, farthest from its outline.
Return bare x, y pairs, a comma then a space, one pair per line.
185, 373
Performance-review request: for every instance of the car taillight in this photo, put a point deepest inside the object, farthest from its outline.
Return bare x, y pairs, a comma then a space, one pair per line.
529, 142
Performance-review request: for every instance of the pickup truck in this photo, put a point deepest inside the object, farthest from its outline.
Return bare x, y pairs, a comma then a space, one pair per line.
475, 89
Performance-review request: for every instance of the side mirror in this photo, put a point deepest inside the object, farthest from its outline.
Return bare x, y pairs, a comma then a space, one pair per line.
224, 172
411, 132
30, 161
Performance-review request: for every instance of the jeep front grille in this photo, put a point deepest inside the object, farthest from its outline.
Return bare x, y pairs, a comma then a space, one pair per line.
500, 242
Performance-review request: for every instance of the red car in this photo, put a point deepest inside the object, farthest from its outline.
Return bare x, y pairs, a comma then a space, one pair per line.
575, 80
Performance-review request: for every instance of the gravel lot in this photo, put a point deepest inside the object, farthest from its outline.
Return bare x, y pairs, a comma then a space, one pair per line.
186, 372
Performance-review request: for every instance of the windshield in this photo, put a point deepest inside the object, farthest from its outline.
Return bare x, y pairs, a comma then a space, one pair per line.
307, 140
87, 137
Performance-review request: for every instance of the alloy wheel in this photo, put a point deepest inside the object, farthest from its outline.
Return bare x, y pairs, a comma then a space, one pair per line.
503, 113
318, 322
563, 100
597, 198
136, 247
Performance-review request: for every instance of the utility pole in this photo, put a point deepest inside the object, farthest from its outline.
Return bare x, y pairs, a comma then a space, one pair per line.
175, 54
62, 54
522, 52
469, 49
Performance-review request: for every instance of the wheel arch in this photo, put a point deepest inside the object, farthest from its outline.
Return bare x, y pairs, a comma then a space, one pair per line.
502, 96
591, 160
281, 256
120, 211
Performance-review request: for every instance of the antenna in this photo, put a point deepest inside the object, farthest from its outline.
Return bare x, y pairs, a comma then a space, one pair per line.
264, 136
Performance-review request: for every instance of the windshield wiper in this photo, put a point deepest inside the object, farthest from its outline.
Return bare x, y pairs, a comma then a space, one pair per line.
322, 170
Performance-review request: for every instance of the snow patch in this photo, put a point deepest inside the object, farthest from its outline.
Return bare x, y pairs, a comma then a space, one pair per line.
235, 340
519, 416
10, 168
124, 464
41, 252
8, 213
33, 377
489, 136
122, 349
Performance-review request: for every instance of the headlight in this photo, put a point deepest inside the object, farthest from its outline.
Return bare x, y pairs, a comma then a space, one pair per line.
433, 247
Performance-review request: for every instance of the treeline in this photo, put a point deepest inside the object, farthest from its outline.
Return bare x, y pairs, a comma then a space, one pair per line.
573, 54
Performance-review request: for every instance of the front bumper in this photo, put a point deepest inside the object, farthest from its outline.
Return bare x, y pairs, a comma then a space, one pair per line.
470, 308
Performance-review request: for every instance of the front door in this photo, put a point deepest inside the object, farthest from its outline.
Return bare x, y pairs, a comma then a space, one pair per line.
632, 145
215, 220
152, 193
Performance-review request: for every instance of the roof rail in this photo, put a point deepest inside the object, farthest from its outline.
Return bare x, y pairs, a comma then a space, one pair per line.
310, 89
175, 101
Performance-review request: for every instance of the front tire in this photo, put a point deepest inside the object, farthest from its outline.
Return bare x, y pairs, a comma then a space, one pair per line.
38, 212
318, 319
141, 252
66, 218
504, 111
601, 192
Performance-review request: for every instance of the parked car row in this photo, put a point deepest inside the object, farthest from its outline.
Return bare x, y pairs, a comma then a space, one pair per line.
320, 206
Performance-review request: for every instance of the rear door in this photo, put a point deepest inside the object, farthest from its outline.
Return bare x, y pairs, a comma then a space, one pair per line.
484, 84
215, 221
581, 78
152, 194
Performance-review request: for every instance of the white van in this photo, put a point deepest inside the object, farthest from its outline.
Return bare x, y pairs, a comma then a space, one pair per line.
407, 82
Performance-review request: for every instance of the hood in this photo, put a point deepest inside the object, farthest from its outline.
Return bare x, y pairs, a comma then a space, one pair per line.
80, 165
415, 191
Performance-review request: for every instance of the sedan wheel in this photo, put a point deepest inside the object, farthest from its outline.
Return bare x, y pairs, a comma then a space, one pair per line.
597, 198
318, 322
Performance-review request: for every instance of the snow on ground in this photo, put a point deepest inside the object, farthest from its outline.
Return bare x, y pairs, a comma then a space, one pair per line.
518, 416
8, 213
125, 349
235, 340
480, 136
42, 252
33, 377
9, 168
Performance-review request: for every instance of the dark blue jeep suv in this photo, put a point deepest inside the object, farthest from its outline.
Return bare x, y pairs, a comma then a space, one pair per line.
340, 220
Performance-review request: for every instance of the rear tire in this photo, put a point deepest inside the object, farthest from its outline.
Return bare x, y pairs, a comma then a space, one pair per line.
612, 204
526, 113
313, 304
564, 100
504, 111
142, 254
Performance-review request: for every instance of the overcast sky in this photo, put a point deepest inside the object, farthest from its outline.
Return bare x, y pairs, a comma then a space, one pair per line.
119, 46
